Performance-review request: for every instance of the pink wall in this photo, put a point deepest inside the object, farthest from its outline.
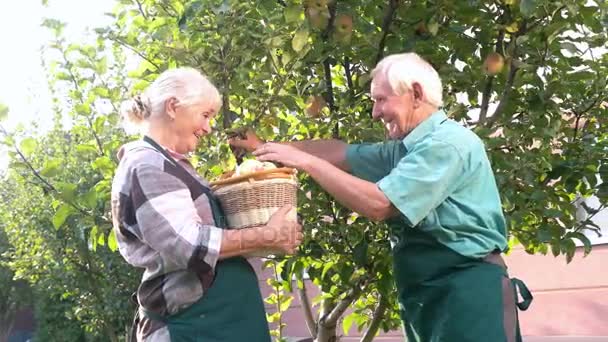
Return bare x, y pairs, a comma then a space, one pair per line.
569, 299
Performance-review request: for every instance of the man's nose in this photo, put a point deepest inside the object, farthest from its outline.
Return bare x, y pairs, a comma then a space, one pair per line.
376, 113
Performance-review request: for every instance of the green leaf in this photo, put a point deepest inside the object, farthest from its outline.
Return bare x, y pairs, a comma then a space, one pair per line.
51, 168
293, 13
104, 165
360, 253
28, 146
433, 27
585, 240
570, 47
527, 7
101, 239
3, 112
83, 109
347, 323
285, 303
326, 267
93, 238
86, 148
89, 199
62, 214
569, 248
551, 212
99, 123
112, 243
67, 191
299, 40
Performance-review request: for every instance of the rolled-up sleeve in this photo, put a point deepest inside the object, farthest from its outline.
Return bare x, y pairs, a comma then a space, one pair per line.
370, 161
423, 179
169, 222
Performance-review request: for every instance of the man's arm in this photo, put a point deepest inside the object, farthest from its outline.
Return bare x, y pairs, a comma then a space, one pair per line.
359, 195
331, 150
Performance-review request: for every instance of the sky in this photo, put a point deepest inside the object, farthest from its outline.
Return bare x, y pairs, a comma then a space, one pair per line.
23, 85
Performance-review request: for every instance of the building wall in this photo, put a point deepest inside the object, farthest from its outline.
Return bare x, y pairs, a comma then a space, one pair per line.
569, 299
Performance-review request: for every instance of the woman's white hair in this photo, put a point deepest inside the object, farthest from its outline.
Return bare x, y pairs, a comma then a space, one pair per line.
404, 69
185, 84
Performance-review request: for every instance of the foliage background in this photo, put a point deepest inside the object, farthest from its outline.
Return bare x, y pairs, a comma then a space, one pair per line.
543, 119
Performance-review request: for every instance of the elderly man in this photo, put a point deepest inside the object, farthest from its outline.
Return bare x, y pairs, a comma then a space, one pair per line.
433, 184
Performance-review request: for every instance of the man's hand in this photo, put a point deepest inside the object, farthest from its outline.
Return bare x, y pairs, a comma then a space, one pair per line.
249, 143
284, 154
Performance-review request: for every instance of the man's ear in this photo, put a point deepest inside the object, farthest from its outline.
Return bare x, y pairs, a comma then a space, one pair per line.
170, 105
418, 92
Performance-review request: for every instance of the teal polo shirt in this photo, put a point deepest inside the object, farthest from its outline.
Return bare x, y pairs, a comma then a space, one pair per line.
440, 179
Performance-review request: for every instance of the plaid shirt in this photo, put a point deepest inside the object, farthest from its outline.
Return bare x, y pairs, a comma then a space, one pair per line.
164, 224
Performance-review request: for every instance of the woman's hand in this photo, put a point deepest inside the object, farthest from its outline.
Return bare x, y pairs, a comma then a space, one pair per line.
283, 232
248, 141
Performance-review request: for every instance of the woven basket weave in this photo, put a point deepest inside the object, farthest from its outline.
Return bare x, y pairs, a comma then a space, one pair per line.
250, 200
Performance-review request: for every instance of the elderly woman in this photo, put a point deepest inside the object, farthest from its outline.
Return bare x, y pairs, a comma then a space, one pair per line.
196, 285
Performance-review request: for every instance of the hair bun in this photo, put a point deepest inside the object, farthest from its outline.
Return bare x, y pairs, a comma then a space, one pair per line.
135, 111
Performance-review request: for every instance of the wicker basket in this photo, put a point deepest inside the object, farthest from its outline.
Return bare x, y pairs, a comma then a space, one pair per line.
249, 200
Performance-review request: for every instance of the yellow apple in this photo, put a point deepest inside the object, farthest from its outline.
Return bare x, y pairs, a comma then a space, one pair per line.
493, 64
344, 28
318, 18
315, 105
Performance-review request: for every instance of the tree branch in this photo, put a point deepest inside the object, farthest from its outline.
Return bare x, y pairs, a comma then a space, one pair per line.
330, 96
332, 318
308, 316
579, 114
487, 91
377, 317
349, 76
485, 100
141, 10
386, 24
504, 98
77, 87
119, 41
45, 184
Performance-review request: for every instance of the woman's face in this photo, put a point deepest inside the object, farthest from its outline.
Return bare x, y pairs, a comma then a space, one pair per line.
190, 123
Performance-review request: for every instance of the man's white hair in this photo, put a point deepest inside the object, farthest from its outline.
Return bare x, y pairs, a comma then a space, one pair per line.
404, 69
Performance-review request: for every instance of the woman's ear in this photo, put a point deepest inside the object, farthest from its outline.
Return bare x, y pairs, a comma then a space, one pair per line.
170, 107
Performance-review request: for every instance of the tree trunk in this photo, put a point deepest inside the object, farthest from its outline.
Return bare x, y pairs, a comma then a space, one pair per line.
377, 317
326, 332
6, 325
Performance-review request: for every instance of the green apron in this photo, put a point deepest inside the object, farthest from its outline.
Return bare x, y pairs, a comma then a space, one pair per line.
231, 310
446, 297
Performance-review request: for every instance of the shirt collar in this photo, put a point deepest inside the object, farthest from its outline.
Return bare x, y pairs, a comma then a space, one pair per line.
424, 128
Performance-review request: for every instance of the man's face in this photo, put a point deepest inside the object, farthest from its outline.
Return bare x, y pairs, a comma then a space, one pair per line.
395, 111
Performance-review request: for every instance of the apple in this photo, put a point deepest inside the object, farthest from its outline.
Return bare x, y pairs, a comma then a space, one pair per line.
344, 28
315, 105
317, 18
494, 63
317, 13
421, 28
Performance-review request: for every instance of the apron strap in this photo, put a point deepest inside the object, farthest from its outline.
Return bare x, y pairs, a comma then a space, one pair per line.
525, 293
216, 208
512, 288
